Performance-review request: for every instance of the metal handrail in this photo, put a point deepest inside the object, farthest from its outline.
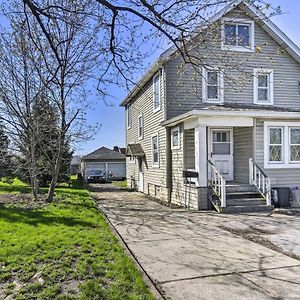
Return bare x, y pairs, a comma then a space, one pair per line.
260, 179
217, 183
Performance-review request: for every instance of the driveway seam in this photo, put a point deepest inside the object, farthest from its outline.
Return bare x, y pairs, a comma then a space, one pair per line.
228, 273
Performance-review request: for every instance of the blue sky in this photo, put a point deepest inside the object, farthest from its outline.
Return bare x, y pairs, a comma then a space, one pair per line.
112, 117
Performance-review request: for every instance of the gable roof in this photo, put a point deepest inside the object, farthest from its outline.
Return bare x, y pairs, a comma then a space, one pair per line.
253, 11
75, 160
104, 153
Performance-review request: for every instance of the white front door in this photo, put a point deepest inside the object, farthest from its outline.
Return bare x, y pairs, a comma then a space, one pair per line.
141, 176
221, 151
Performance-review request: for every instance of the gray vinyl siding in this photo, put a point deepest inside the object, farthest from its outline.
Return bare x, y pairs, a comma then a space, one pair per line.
184, 85
279, 177
143, 104
243, 150
189, 147
182, 194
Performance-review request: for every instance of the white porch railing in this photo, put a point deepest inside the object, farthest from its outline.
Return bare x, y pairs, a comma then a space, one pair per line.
259, 178
217, 183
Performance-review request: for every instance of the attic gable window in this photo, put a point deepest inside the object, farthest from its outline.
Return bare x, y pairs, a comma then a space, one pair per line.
238, 35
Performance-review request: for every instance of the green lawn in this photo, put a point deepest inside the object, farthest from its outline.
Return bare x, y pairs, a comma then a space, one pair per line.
121, 184
69, 246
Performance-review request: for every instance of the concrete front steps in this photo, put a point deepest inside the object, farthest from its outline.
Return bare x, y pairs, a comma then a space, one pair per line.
244, 198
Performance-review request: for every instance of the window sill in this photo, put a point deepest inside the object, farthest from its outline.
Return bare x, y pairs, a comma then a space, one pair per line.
175, 147
156, 110
237, 49
263, 103
155, 166
213, 101
282, 166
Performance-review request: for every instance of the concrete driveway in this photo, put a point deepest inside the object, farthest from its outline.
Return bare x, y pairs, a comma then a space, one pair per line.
205, 255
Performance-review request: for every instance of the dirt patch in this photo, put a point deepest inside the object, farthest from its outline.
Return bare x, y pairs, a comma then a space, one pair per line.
255, 235
25, 201
70, 287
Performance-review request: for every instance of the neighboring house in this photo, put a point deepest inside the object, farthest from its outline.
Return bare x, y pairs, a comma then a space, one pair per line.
74, 166
110, 162
238, 138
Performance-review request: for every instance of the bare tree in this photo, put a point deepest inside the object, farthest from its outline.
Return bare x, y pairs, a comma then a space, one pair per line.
33, 70
19, 86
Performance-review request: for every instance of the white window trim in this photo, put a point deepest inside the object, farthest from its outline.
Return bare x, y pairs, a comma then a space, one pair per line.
129, 110
237, 22
179, 138
220, 85
159, 96
286, 164
155, 164
140, 137
289, 152
257, 72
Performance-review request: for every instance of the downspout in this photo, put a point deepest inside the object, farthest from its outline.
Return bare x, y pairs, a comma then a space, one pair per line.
168, 142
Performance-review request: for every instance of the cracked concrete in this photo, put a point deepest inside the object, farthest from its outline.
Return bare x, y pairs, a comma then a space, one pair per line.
189, 256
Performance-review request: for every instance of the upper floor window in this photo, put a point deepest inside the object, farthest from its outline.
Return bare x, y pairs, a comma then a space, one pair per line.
156, 92
212, 85
129, 117
175, 138
238, 35
263, 87
155, 151
140, 127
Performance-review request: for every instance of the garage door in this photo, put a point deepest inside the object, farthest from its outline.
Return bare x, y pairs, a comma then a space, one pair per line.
90, 167
118, 170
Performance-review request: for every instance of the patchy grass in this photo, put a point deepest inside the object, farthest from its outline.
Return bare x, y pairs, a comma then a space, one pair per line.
16, 187
63, 251
121, 184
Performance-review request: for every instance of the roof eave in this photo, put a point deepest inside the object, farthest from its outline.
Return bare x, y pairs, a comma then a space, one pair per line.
236, 113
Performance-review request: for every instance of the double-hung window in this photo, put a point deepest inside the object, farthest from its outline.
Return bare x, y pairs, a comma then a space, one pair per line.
155, 150
175, 138
282, 144
156, 92
140, 127
129, 117
238, 35
212, 85
263, 87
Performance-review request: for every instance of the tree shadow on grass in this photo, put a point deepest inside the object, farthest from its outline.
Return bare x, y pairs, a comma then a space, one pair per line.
34, 218
12, 188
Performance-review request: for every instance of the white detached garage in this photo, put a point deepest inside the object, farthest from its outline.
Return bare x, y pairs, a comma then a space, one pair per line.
108, 161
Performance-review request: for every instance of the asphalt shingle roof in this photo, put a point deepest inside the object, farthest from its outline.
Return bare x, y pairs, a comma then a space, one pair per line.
104, 153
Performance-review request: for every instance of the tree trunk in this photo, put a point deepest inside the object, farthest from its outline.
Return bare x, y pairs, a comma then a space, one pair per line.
53, 183
33, 169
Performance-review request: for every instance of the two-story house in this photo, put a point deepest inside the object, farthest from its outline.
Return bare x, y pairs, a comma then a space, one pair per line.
235, 125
